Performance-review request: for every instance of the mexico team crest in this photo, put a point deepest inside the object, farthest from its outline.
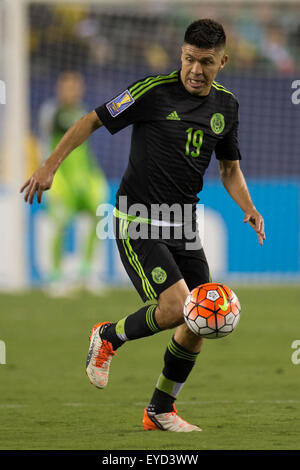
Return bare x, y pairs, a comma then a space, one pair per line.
159, 275
217, 123
120, 103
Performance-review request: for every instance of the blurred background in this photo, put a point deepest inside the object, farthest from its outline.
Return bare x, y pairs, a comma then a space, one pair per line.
59, 60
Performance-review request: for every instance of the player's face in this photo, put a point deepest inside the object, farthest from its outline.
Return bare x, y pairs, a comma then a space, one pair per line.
199, 68
70, 90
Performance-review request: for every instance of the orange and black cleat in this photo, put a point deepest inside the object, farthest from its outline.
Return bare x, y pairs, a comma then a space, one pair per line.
166, 422
99, 356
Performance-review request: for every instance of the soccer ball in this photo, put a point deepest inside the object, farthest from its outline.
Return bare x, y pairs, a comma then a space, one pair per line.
212, 310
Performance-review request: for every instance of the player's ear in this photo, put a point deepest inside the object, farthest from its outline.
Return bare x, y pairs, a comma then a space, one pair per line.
224, 61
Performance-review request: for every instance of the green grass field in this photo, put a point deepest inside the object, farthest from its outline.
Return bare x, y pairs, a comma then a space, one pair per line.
243, 391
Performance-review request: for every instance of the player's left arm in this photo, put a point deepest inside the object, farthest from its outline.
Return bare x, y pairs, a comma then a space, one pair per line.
234, 182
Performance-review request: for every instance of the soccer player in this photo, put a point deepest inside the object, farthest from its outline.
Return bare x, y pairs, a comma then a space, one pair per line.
178, 120
79, 185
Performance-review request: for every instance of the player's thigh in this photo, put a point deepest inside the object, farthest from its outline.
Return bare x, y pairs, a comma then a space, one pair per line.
94, 192
61, 200
61, 210
149, 263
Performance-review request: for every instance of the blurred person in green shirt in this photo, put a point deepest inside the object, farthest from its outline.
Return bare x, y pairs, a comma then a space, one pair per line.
80, 185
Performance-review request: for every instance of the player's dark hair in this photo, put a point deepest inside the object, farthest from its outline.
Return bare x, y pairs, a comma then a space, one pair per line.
205, 34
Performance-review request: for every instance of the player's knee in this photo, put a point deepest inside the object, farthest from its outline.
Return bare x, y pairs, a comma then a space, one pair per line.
170, 313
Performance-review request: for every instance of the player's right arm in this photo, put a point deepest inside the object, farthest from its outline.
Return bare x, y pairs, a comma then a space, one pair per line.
42, 178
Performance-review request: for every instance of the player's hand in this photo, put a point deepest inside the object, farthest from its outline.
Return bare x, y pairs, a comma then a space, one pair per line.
255, 220
40, 181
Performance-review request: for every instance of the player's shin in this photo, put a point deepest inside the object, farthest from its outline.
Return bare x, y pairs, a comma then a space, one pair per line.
178, 364
138, 325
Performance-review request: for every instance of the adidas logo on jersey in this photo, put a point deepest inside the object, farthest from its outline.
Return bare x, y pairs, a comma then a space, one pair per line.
173, 116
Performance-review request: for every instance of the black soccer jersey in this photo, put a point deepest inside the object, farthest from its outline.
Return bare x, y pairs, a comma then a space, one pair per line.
174, 135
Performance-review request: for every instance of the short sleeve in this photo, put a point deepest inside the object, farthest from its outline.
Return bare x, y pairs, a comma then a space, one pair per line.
124, 110
228, 147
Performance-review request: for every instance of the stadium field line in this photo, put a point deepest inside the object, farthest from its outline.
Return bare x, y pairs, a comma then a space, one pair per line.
254, 402
89, 404
12, 405
142, 404
191, 402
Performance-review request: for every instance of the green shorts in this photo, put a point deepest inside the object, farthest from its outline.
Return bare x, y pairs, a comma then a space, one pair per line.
153, 265
77, 192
